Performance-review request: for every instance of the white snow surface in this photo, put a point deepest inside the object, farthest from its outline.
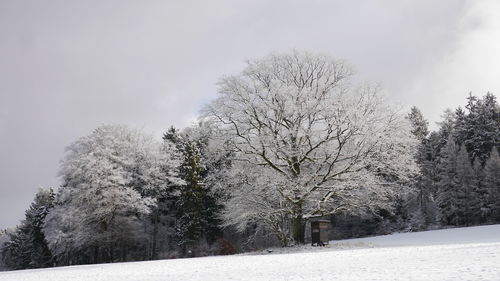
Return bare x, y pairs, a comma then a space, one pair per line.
452, 254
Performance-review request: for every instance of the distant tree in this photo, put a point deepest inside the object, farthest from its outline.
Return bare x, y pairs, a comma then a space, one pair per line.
479, 128
419, 126
4, 238
26, 247
445, 129
466, 198
479, 202
421, 205
447, 199
476, 130
324, 146
492, 186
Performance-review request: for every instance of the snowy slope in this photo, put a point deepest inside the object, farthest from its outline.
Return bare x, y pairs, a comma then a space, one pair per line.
473, 254
478, 234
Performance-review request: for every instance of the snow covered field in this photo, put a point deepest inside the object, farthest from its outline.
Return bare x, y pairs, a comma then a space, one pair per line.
452, 254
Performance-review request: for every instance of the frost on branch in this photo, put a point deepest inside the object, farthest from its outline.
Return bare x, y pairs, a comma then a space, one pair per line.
325, 145
111, 179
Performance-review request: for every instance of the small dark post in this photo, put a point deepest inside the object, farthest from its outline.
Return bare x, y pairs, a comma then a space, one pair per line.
319, 232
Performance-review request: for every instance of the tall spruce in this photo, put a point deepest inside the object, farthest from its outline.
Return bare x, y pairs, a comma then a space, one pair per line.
196, 207
479, 204
419, 126
466, 199
447, 185
422, 206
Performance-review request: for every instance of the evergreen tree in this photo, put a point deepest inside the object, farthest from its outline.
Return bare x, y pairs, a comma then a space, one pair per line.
155, 175
445, 128
4, 239
465, 189
460, 127
492, 186
422, 206
419, 126
26, 246
479, 202
447, 185
197, 207
479, 128
464, 194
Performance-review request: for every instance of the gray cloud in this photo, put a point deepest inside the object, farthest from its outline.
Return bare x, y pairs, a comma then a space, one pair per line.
69, 66
471, 64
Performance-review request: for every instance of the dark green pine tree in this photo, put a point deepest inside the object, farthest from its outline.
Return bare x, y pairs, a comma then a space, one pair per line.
27, 247
197, 207
190, 223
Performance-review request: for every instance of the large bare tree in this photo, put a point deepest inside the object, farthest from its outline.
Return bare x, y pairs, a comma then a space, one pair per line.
323, 143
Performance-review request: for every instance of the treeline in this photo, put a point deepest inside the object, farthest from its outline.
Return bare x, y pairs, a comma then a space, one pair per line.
124, 197
459, 180
287, 141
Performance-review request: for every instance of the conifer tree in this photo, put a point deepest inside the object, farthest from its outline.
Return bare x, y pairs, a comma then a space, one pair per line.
479, 128
26, 246
196, 207
447, 185
479, 202
465, 190
424, 210
492, 186
419, 126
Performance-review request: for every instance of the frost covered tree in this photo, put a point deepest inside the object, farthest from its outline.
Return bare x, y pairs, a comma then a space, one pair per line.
325, 146
101, 205
476, 131
478, 128
255, 204
4, 238
26, 247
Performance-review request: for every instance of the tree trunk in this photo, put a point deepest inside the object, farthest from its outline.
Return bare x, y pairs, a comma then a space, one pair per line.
154, 252
298, 225
124, 251
96, 254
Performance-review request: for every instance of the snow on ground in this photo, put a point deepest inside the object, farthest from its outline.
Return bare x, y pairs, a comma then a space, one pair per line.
478, 234
452, 254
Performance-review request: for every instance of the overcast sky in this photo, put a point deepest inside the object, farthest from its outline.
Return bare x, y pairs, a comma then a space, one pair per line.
69, 66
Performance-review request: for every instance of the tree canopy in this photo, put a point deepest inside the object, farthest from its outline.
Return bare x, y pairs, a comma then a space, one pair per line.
325, 143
